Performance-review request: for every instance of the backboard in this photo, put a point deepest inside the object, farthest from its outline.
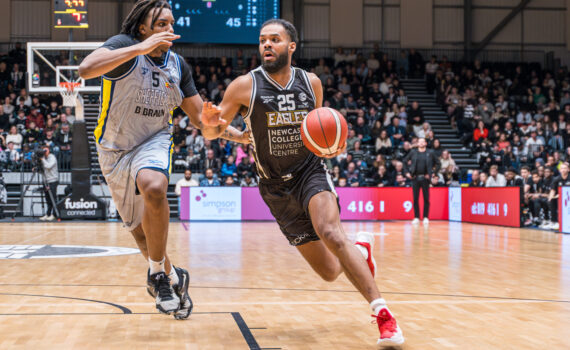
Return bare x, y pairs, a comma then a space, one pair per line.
50, 63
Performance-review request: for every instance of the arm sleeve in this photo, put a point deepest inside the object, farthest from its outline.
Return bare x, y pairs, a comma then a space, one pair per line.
118, 42
49, 162
405, 163
186, 81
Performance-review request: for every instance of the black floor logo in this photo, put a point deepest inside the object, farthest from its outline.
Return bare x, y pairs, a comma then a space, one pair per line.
60, 251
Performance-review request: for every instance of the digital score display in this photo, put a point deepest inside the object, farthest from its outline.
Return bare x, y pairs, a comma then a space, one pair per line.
222, 21
70, 14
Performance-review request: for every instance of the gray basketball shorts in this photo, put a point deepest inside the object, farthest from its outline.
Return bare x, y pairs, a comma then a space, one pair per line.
121, 168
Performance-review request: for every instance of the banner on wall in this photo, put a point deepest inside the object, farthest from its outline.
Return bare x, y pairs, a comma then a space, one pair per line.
211, 203
564, 211
222, 203
389, 203
491, 205
455, 204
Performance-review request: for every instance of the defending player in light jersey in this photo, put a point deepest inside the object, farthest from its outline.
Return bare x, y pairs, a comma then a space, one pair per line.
293, 181
142, 83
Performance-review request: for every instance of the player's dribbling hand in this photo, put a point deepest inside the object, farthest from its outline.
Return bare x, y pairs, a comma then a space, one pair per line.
156, 40
211, 115
245, 137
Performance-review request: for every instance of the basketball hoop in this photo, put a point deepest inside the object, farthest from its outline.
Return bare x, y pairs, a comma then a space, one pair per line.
68, 93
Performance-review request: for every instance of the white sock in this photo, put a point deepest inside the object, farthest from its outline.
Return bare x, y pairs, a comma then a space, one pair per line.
156, 266
173, 276
377, 305
363, 250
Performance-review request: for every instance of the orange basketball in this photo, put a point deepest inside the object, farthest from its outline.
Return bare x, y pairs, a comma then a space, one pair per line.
324, 130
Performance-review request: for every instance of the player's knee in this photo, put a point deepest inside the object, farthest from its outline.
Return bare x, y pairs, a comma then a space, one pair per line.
154, 191
333, 238
331, 273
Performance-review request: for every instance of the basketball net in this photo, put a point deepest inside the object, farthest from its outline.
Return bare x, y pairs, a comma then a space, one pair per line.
71, 97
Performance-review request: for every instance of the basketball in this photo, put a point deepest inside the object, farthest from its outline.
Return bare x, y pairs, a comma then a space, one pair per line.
324, 130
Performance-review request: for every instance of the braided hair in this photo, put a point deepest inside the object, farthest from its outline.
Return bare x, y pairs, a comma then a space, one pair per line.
138, 15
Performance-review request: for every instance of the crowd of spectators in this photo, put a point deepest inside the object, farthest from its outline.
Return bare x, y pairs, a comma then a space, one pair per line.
514, 119
29, 122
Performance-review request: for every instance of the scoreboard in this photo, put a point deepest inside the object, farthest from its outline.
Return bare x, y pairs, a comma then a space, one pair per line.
70, 14
222, 21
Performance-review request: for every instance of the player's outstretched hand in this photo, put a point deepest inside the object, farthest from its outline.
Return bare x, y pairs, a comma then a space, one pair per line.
156, 40
340, 150
211, 115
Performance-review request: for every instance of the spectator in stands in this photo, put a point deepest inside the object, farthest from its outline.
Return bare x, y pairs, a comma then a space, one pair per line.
4, 120
209, 179
416, 116
15, 138
425, 132
186, 181
533, 144
248, 181
381, 177
447, 164
401, 181
362, 130
179, 158
229, 168
12, 156
415, 62
495, 178
562, 180
17, 79
211, 162
396, 132
481, 133
229, 181
351, 140
512, 179
8, 106
475, 179
431, 68
536, 198
383, 143
485, 110
64, 139
353, 176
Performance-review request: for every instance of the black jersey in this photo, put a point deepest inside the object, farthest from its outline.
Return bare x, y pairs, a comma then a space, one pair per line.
274, 118
558, 181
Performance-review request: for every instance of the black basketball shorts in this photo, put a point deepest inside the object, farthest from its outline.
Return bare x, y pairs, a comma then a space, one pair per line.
289, 202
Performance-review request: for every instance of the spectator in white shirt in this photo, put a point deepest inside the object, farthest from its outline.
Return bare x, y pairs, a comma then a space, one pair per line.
533, 143
186, 181
495, 179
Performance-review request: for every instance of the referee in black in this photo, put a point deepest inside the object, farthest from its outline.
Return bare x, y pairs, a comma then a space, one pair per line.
421, 164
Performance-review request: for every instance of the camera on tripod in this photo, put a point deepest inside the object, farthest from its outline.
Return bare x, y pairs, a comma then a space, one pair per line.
37, 157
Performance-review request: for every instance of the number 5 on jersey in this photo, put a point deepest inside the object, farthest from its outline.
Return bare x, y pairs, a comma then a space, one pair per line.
286, 102
155, 79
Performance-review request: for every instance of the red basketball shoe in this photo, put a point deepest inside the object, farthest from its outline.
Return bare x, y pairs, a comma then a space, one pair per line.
390, 332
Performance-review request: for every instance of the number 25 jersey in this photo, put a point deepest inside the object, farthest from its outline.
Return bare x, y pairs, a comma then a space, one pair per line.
274, 118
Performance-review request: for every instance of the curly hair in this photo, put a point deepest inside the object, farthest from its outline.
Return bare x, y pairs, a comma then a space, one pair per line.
138, 15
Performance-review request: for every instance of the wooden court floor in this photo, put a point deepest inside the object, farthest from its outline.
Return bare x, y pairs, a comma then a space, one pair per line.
451, 286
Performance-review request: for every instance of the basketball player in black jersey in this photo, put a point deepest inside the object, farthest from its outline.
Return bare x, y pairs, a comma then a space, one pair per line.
274, 99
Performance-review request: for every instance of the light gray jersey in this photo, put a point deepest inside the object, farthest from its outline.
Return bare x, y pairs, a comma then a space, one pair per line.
138, 104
